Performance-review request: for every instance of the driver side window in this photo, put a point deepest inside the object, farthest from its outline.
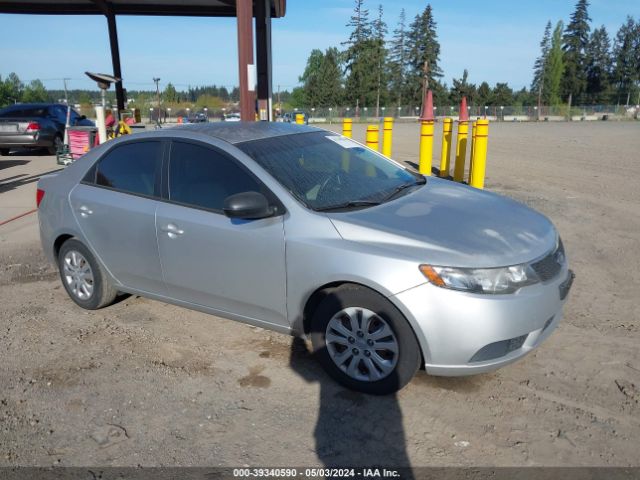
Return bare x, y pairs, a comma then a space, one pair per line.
203, 177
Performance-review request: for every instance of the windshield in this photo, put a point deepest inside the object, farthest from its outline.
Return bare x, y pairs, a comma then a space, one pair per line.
327, 171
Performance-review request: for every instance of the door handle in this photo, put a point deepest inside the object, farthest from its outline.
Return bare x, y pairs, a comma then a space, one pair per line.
172, 230
85, 211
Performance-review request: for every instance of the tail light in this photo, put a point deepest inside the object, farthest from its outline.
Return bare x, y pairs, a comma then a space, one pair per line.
39, 197
33, 127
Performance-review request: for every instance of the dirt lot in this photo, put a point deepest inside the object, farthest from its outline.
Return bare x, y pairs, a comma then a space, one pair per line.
145, 383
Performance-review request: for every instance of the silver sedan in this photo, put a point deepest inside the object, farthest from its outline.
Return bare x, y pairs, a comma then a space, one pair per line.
305, 232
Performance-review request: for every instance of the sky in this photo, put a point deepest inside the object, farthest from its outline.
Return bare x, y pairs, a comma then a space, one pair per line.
496, 40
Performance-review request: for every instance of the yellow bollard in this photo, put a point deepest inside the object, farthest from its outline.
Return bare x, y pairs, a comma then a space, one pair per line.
445, 156
372, 138
480, 153
387, 132
461, 150
426, 147
347, 127
300, 118
372, 142
473, 145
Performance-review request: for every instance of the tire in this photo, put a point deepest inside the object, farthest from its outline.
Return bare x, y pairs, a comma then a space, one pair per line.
377, 369
4, 152
57, 144
83, 277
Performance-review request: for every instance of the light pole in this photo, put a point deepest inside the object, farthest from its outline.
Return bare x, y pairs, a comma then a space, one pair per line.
330, 110
157, 80
206, 113
485, 111
169, 112
502, 112
150, 114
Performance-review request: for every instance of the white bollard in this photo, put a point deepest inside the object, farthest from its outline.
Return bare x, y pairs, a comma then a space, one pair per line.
100, 123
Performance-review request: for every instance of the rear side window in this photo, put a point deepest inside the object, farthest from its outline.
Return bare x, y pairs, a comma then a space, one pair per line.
131, 168
203, 177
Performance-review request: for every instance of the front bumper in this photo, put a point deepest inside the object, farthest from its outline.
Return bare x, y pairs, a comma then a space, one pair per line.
454, 327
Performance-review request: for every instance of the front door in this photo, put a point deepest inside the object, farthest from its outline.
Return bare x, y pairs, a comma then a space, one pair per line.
233, 266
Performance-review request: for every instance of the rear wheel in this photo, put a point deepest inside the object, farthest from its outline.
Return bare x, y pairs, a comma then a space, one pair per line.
364, 342
83, 278
4, 152
57, 145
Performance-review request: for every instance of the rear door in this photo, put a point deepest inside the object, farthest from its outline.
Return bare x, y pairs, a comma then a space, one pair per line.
208, 259
115, 207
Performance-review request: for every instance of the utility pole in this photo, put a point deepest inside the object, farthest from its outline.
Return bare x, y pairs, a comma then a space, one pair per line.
425, 83
157, 80
279, 103
68, 120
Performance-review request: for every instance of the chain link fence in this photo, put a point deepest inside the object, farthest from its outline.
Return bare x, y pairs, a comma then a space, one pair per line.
493, 112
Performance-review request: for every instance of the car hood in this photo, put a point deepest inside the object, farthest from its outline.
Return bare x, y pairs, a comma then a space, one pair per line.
449, 224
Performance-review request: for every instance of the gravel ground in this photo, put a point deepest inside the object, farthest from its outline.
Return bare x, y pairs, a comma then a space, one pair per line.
146, 383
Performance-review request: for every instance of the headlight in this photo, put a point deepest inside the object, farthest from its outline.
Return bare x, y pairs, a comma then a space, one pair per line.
481, 280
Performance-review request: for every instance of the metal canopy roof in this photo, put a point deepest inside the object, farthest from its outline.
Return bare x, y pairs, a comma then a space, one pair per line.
199, 8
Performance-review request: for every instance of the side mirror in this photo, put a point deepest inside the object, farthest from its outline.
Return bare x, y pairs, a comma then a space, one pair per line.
247, 205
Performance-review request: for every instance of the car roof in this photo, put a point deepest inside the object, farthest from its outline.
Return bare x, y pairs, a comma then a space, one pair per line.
238, 132
19, 106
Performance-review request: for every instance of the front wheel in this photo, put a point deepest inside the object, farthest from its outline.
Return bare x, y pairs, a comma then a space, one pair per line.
83, 277
364, 342
4, 152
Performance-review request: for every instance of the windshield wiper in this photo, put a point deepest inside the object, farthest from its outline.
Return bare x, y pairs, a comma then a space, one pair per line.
348, 205
404, 186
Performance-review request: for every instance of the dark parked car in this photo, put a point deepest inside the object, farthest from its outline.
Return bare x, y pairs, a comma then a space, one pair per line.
290, 117
198, 118
36, 125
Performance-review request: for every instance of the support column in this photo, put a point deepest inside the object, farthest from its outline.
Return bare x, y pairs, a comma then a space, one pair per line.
245, 60
263, 59
115, 58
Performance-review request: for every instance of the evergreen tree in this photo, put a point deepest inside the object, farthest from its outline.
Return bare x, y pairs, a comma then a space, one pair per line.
539, 68
462, 88
360, 63
398, 60
484, 94
423, 48
13, 88
502, 95
35, 92
310, 79
575, 41
170, 94
379, 30
555, 68
330, 76
626, 50
598, 66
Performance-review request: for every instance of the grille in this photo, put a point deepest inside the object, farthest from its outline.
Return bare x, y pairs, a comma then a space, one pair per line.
550, 266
